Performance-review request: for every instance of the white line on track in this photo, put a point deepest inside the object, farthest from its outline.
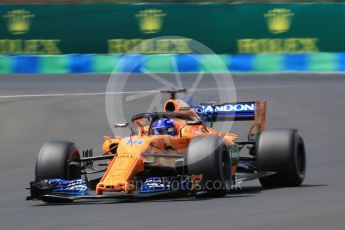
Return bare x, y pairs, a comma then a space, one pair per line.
86, 94
150, 91
70, 94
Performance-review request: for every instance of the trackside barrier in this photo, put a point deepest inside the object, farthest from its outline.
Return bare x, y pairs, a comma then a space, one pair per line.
167, 63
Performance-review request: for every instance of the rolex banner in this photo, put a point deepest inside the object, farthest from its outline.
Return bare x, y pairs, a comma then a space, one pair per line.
224, 28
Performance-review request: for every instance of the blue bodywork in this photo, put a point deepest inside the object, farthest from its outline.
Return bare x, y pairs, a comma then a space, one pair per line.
163, 184
69, 187
154, 184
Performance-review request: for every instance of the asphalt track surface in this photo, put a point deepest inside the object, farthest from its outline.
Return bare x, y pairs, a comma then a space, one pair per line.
73, 108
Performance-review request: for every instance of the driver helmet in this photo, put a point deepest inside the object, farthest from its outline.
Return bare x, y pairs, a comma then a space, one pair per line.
164, 126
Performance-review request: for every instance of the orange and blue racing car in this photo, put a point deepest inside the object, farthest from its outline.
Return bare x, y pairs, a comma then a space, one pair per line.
174, 151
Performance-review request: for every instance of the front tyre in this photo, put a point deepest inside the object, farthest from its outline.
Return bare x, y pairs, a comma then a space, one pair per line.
281, 151
210, 157
58, 160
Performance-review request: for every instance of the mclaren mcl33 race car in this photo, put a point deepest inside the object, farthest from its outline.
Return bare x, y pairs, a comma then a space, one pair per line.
174, 151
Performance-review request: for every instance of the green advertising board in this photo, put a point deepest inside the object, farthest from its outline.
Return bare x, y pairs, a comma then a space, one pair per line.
225, 28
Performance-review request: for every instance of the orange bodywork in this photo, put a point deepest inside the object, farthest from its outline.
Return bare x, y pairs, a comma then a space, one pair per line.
134, 152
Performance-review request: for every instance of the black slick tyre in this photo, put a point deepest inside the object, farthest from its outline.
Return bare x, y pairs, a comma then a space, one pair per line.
210, 157
58, 160
281, 151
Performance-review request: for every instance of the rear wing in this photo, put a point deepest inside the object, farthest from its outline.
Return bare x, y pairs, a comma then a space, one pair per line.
239, 111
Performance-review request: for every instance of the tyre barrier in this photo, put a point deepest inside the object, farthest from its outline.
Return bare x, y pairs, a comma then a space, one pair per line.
168, 63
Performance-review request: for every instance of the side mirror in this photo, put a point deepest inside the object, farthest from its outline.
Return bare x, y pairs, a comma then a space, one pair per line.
124, 125
196, 122
121, 125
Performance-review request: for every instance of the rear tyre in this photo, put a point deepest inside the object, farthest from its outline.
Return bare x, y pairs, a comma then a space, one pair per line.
58, 160
210, 157
281, 151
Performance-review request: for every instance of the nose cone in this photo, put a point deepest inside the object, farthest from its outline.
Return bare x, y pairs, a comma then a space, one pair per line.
133, 145
127, 163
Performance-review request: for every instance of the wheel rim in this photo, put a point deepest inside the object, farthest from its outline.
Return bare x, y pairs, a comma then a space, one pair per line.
226, 168
301, 159
72, 170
